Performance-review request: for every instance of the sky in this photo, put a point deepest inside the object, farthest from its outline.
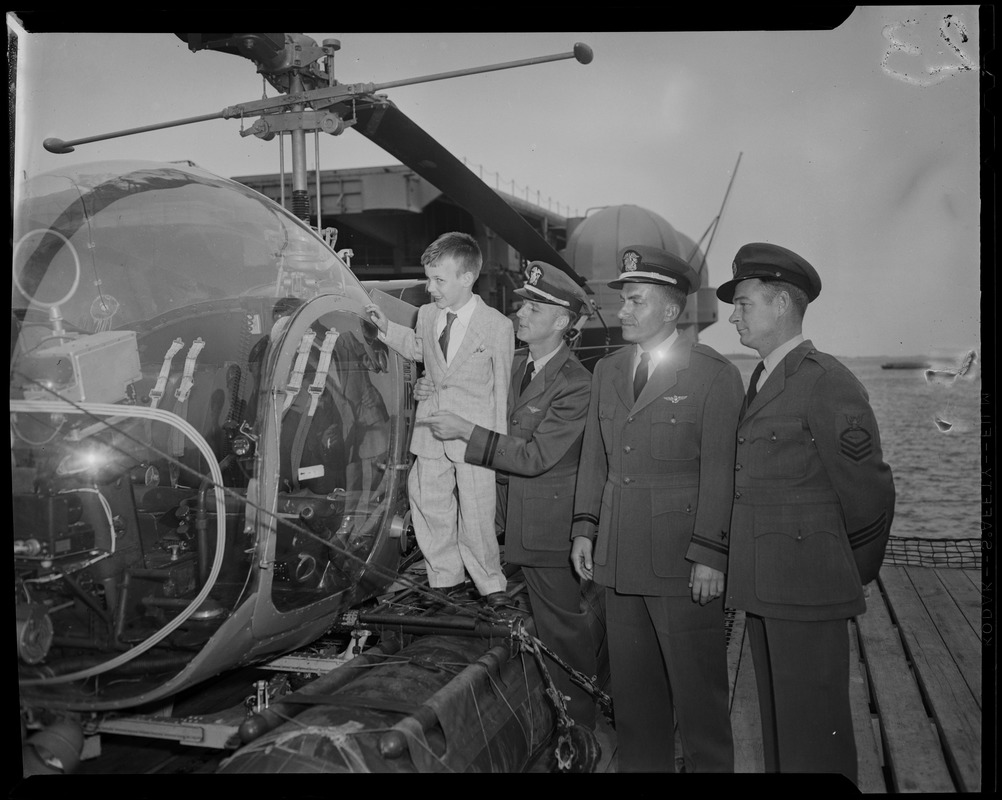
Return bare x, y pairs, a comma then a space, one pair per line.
859, 146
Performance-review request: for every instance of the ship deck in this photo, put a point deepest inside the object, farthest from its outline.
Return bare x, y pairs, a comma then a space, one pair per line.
915, 685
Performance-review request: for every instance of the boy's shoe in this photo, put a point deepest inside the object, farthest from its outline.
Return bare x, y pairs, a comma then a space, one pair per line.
460, 591
496, 600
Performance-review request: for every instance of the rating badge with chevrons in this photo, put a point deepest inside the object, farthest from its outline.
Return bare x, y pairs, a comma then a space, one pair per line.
855, 442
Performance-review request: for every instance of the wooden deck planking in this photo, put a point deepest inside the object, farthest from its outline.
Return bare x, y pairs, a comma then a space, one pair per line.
746, 723
735, 646
975, 576
932, 612
929, 623
966, 594
911, 745
865, 724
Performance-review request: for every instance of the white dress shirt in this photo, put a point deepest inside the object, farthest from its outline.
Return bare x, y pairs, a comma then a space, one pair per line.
459, 326
658, 354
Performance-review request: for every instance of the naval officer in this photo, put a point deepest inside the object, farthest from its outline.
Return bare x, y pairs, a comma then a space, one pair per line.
651, 514
813, 505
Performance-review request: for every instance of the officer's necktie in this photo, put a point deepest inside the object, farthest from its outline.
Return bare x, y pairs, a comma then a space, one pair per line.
753, 384
640, 376
443, 340
529, 369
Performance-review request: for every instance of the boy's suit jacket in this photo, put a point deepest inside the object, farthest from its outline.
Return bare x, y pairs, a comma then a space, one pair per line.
474, 385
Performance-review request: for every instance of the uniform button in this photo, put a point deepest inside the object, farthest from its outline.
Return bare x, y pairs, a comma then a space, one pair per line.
737, 467
630, 419
627, 480
627, 449
741, 440
737, 495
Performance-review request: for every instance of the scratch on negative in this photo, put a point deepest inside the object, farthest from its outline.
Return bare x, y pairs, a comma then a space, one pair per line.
927, 74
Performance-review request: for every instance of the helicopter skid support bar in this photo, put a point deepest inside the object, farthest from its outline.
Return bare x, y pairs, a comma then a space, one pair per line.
442, 624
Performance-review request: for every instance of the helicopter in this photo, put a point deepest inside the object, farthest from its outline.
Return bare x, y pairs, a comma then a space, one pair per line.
209, 442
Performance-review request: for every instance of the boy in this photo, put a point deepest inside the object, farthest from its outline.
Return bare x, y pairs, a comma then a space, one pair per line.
467, 349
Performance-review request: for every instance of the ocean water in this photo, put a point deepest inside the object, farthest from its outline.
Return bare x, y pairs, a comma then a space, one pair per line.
936, 465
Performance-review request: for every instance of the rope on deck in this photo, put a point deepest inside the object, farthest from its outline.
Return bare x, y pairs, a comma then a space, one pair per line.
911, 551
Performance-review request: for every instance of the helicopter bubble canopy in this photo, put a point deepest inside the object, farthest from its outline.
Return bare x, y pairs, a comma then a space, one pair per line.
205, 434
111, 243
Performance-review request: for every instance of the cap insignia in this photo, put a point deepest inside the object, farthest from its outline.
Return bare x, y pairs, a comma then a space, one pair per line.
535, 273
734, 269
631, 259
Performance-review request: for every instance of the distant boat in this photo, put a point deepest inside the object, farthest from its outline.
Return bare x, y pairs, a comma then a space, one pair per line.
905, 365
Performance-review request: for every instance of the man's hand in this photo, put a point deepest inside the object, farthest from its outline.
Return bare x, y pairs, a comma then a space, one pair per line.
424, 388
581, 557
706, 583
377, 316
446, 425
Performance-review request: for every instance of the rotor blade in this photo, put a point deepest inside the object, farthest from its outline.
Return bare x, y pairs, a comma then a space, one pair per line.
385, 125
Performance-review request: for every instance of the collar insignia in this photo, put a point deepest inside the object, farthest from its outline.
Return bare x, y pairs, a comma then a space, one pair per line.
631, 260
676, 398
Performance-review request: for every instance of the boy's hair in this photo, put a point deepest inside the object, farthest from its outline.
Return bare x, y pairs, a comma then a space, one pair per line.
461, 246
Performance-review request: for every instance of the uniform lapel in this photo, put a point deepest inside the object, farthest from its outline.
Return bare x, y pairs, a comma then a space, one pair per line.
624, 379
776, 381
550, 369
517, 367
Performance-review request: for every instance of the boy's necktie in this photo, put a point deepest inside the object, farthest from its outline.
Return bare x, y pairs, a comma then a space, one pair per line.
443, 340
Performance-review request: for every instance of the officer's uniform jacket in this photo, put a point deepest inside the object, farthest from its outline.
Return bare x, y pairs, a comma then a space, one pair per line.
536, 500
814, 499
471, 385
656, 479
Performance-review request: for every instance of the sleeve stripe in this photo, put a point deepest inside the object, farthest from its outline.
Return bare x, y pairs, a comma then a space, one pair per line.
710, 544
857, 543
582, 517
492, 443
867, 534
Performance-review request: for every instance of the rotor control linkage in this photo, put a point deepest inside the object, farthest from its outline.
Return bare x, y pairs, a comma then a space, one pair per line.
317, 98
